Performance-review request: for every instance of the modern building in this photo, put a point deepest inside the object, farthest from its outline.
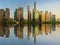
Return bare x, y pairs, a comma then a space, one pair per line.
37, 15
20, 14
15, 14
29, 13
46, 16
53, 18
7, 13
50, 16
1, 14
34, 10
42, 16
34, 5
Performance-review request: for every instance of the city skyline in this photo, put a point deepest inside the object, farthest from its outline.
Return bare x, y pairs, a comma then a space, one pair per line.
41, 5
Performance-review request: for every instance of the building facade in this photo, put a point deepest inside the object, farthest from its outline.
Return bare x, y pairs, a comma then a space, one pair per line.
7, 13
20, 14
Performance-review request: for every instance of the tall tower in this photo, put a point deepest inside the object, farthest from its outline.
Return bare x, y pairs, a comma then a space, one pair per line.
34, 10
20, 14
42, 16
15, 14
29, 13
50, 16
34, 5
1, 14
7, 13
46, 16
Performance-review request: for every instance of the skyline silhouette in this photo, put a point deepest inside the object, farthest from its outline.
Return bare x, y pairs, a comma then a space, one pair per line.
42, 5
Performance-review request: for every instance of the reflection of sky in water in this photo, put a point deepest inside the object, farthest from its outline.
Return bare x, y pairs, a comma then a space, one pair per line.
50, 39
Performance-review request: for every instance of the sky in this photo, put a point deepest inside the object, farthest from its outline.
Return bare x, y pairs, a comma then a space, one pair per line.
41, 5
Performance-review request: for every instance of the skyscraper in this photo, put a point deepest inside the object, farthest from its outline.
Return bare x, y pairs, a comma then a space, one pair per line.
46, 16
53, 18
29, 13
42, 16
20, 14
15, 14
1, 14
50, 17
34, 10
7, 13
37, 15
34, 5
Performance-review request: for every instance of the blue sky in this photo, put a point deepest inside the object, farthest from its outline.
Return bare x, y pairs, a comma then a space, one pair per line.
42, 5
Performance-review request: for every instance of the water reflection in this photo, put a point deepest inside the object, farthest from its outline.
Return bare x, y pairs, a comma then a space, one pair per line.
32, 30
4, 31
18, 31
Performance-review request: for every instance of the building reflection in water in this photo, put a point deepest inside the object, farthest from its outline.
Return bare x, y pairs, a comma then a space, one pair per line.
53, 27
7, 31
32, 30
29, 32
58, 25
18, 30
47, 29
4, 30
1, 31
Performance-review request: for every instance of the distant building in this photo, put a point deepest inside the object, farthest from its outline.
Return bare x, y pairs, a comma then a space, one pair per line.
20, 14
29, 13
42, 16
34, 5
36, 15
50, 16
7, 13
46, 16
34, 10
15, 14
1, 14
53, 18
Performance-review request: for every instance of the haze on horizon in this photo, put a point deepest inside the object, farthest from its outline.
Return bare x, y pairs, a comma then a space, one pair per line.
41, 5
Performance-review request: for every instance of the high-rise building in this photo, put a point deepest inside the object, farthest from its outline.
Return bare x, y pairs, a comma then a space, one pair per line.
33, 14
34, 5
42, 16
7, 13
1, 14
15, 14
50, 17
53, 18
29, 13
36, 15
20, 14
46, 16
34, 10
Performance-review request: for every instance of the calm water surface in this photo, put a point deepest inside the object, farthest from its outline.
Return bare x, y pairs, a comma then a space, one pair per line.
43, 34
